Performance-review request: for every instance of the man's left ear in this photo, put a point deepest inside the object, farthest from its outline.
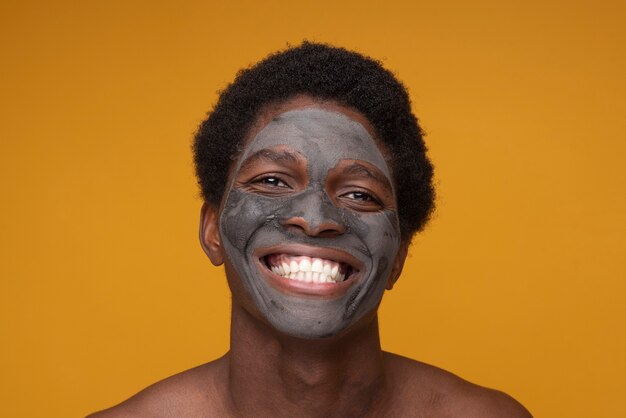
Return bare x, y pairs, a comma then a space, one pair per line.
397, 265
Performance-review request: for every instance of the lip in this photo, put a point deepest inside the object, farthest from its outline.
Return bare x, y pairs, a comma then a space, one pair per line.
325, 290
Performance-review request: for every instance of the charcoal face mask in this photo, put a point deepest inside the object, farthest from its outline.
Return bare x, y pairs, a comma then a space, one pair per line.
251, 221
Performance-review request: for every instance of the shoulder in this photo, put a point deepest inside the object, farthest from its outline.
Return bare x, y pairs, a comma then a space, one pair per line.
184, 394
427, 387
480, 402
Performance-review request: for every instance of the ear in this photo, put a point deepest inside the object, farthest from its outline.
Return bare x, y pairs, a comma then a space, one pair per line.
210, 234
398, 264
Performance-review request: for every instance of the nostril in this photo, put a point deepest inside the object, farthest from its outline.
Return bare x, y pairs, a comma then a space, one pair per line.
296, 223
331, 231
322, 229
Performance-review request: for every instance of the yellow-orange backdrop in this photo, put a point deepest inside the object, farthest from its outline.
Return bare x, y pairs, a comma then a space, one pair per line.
518, 283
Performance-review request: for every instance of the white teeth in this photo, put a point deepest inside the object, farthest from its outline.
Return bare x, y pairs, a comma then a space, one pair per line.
307, 269
305, 264
317, 265
327, 269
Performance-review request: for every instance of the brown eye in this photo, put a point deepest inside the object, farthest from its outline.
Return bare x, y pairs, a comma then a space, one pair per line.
270, 185
360, 196
271, 181
361, 201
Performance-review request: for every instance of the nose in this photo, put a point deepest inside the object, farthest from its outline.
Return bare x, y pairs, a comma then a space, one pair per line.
315, 215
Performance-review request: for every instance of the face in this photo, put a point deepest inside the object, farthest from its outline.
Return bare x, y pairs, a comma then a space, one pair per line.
309, 224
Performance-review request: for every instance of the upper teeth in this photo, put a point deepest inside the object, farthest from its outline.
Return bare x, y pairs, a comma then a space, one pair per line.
306, 269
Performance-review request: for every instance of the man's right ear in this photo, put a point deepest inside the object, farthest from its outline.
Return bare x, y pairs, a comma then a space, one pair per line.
210, 234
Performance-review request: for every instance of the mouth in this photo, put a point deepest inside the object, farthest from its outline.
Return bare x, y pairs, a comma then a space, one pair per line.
305, 269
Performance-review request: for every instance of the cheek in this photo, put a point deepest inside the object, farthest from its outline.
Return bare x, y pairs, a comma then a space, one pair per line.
243, 214
380, 232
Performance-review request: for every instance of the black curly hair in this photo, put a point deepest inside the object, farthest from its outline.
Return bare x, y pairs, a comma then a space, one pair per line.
328, 73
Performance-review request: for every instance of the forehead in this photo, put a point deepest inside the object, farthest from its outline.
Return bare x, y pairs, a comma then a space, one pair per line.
323, 136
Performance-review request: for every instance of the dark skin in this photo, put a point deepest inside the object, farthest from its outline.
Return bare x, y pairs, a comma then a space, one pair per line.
270, 374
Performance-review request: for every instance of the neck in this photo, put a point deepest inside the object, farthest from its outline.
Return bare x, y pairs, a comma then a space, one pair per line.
272, 374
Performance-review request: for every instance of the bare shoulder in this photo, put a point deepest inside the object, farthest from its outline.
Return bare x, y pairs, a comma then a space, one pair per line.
428, 388
194, 392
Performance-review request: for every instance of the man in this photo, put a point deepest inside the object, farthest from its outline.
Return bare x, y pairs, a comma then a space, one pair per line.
315, 177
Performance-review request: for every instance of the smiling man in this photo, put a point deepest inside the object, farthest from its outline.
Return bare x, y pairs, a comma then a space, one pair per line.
315, 178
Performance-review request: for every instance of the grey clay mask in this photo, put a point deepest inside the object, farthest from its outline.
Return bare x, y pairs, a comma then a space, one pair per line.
251, 222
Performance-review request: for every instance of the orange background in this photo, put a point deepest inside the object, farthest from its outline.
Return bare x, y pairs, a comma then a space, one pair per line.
518, 283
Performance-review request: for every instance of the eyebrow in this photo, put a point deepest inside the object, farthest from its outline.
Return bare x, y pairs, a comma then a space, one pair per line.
271, 156
361, 170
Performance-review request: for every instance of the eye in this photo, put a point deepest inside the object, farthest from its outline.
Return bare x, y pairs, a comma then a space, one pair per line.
270, 184
361, 196
361, 201
271, 181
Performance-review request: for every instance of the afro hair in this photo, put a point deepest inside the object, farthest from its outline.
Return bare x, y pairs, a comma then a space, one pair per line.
328, 73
